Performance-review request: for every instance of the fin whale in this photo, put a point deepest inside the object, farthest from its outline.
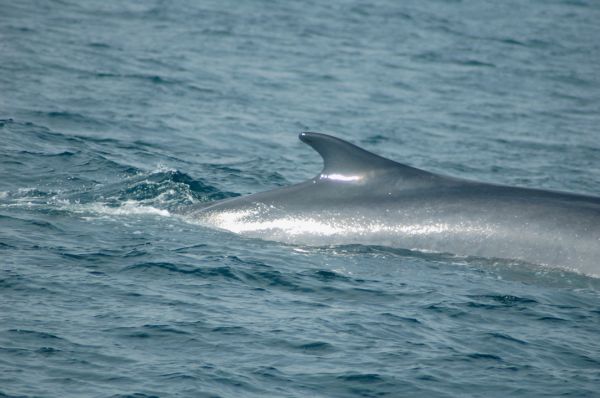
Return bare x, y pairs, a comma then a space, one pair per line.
363, 198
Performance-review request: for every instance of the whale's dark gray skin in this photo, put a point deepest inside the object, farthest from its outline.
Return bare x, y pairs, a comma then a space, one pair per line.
362, 198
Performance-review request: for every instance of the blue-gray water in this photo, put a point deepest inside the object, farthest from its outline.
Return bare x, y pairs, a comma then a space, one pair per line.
116, 113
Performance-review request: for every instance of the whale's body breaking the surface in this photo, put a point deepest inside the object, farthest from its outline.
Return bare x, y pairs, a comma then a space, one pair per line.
362, 198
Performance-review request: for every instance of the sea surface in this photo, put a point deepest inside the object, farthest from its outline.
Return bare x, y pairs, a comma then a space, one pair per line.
115, 114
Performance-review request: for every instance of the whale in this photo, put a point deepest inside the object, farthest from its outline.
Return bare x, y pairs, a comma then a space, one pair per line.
360, 198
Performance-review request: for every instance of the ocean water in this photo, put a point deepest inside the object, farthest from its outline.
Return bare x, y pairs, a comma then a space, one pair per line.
114, 115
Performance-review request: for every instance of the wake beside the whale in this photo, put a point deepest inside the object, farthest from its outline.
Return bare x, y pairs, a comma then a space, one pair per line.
362, 198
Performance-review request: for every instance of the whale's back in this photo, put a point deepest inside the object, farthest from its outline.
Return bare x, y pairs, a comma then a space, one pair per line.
362, 198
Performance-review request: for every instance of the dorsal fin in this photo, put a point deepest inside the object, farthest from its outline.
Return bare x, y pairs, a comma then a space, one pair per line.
343, 158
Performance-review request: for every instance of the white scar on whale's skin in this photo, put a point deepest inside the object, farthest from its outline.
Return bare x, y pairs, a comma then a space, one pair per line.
362, 198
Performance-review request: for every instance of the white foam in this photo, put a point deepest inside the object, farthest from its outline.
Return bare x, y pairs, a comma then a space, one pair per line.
163, 168
127, 208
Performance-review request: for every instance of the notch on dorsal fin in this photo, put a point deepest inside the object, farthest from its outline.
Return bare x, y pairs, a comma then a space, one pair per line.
343, 158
